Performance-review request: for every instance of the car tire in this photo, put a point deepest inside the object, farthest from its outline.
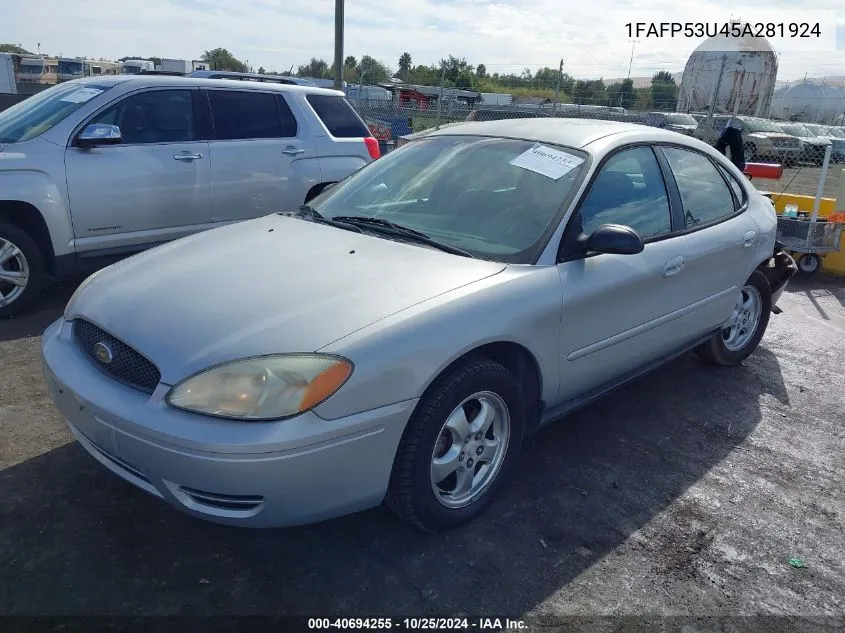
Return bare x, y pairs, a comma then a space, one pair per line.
474, 390
749, 320
19, 257
809, 264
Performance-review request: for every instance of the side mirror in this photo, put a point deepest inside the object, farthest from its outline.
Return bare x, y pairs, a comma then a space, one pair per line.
614, 239
99, 134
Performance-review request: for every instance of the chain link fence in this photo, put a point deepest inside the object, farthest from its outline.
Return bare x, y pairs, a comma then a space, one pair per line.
812, 155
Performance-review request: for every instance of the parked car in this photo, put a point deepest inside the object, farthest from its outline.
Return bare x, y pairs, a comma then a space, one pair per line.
398, 338
675, 121
815, 144
834, 134
764, 139
100, 168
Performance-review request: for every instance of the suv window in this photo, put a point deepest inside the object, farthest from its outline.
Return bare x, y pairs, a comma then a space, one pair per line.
338, 116
246, 115
35, 115
629, 190
704, 194
155, 116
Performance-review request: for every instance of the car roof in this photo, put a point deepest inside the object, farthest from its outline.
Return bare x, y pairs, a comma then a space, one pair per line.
557, 130
142, 81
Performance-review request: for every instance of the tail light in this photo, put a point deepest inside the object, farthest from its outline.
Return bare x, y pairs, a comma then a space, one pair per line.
372, 147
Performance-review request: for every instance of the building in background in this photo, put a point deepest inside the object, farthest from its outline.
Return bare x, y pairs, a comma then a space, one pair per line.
741, 71
809, 102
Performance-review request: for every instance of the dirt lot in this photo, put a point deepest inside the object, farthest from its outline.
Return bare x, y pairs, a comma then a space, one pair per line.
804, 180
685, 493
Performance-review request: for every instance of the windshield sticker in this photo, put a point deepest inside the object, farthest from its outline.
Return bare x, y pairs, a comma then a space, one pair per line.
81, 96
547, 161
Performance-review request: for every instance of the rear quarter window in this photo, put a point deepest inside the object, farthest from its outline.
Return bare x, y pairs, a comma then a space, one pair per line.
338, 116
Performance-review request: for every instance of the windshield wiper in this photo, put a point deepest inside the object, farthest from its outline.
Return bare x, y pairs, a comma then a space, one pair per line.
310, 213
403, 231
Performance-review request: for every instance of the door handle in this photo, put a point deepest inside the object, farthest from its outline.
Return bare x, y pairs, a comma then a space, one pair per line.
292, 151
674, 266
187, 157
749, 239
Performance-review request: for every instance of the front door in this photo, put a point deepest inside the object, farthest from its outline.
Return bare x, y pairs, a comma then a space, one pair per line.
621, 312
152, 187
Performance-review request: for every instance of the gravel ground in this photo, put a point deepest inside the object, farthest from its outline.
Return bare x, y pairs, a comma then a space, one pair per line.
685, 493
804, 180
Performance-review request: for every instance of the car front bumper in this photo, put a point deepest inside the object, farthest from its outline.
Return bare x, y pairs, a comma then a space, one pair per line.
254, 474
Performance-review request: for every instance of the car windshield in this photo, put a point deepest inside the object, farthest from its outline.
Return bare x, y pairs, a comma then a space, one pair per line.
495, 198
796, 129
37, 114
760, 125
681, 119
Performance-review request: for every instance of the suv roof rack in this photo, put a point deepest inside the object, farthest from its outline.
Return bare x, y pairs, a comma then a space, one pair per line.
229, 74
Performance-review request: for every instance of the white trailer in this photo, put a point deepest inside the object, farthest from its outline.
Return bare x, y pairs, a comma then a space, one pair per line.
136, 66
184, 66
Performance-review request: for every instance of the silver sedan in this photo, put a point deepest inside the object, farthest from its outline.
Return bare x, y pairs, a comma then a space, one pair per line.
399, 338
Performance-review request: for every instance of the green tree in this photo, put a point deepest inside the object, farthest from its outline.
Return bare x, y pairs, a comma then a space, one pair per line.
372, 71
481, 71
15, 49
261, 70
222, 59
621, 94
664, 91
316, 68
590, 92
642, 99
404, 65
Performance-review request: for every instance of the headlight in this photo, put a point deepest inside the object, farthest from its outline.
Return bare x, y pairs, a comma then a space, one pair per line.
262, 388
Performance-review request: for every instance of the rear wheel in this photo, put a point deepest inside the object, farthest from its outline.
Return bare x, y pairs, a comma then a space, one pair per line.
748, 322
459, 446
22, 273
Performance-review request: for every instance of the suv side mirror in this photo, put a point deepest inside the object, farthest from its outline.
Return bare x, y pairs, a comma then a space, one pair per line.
99, 134
614, 239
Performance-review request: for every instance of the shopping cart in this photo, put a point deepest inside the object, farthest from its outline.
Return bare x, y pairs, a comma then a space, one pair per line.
812, 238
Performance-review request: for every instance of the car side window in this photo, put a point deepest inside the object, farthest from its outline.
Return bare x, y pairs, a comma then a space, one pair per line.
241, 115
704, 195
155, 116
629, 190
739, 192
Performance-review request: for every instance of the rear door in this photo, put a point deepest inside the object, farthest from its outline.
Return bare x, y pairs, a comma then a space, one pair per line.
262, 159
720, 235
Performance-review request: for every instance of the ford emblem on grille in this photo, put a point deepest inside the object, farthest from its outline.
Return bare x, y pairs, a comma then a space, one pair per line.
103, 353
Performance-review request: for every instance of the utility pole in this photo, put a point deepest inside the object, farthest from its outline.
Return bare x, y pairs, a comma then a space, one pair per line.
716, 91
559, 82
338, 44
631, 62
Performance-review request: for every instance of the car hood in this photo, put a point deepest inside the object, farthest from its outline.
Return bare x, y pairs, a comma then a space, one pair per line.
272, 285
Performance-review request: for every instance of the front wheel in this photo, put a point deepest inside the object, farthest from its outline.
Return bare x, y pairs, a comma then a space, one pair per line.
745, 328
22, 274
459, 446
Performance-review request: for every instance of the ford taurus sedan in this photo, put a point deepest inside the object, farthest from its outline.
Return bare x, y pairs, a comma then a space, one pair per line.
399, 338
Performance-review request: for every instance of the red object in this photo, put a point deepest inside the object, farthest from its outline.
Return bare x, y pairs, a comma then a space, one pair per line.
764, 170
372, 147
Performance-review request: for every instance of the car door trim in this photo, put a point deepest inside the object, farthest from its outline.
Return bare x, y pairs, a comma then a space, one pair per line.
649, 325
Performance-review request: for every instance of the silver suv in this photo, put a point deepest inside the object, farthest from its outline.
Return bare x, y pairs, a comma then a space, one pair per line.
96, 169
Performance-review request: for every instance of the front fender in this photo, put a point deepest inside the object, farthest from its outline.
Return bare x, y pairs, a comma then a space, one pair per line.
397, 358
38, 190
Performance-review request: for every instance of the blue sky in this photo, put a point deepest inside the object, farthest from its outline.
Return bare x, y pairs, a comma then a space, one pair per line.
505, 35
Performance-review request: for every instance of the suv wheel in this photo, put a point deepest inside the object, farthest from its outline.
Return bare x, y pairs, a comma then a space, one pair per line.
22, 272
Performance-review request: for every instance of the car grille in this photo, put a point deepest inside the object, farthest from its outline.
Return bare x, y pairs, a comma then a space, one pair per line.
126, 365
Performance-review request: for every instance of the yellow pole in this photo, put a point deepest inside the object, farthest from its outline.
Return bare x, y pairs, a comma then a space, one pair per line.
840, 193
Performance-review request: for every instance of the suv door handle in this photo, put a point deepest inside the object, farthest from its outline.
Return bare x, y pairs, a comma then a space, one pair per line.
749, 239
290, 150
187, 157
674, 266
